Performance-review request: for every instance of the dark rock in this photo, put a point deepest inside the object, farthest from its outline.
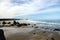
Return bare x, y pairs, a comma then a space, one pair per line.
2, 37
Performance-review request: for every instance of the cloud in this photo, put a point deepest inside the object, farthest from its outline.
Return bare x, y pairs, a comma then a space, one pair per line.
5, 6
19, 2
9, 10
15, 8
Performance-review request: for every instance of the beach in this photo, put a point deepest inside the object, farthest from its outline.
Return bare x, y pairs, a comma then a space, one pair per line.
12, 33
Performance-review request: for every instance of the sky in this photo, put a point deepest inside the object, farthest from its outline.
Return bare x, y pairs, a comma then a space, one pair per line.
30, 9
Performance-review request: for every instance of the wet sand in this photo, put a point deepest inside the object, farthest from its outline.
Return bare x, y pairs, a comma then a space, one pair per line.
35, 35
44, 35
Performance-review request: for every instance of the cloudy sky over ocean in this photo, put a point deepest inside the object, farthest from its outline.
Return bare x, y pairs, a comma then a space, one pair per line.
32, 9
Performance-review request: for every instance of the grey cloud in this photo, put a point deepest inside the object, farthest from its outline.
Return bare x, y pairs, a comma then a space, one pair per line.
19, 2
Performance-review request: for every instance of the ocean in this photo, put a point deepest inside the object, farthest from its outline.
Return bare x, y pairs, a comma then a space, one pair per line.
51, 21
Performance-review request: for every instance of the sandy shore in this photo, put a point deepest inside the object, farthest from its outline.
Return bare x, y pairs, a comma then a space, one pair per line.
30, 34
